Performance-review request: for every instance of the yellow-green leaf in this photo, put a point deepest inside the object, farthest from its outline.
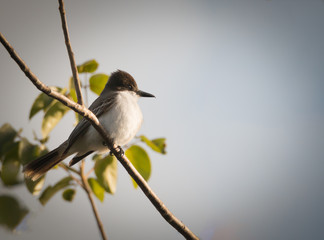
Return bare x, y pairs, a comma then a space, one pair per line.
7, 136
11, 166
52, 116
141, 161
34, 187
73, 96
157, 144
97, 189
50, 191
29, 152
98, 82
11, 212
160, 143
40, 103
71, 83
106, 172
88, 67
68, 194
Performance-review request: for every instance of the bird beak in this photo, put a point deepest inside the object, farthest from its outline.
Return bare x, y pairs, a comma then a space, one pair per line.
144, 94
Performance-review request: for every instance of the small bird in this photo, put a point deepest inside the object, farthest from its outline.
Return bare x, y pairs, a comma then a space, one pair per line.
117, 110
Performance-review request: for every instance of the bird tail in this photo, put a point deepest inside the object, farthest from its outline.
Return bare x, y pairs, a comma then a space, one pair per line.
41, 165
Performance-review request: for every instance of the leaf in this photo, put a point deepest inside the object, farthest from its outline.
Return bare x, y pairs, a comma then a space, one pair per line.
51, 190
160, 143
7, 136
40, 103
141, 161
89, 66
11, 212
53, 109
96, 157
157, 145
106, 172
98, 82
11, 166
73, 96
52, 116
35, 187
68, 194
29, 152
97, 189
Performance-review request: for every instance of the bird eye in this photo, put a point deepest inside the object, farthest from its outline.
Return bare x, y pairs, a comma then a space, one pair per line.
130, 87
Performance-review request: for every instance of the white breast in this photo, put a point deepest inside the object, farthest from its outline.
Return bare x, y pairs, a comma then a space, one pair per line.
124, 119
122, 122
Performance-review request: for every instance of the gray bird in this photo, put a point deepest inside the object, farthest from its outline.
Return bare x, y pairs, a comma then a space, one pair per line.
118, 112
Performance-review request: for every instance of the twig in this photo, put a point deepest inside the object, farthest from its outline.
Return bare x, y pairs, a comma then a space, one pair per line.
89, 172
71, 54
70, 168
93, 205
167, 215
77, 85
66, 168
158, 204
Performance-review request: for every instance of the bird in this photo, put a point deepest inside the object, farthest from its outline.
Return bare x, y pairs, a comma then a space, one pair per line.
117, 110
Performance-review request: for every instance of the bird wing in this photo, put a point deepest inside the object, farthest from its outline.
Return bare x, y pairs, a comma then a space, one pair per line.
98, 107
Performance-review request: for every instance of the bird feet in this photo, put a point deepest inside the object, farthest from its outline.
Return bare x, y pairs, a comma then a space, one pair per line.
119, 150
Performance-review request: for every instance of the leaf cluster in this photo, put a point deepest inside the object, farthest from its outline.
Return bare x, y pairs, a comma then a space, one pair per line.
16, 151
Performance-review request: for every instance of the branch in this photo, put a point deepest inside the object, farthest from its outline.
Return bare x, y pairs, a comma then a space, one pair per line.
93, 205
75, 73
67, 169
163, 210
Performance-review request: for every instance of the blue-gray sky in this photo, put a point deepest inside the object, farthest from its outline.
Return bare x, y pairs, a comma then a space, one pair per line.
239, 86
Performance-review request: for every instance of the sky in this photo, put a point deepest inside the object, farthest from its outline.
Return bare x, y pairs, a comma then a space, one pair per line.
239, 97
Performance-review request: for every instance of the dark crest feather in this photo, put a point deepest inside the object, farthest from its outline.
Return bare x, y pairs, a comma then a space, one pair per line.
121, 81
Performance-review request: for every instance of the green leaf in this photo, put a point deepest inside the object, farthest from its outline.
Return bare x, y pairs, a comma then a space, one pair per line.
73, 96
51, 190
29, 152
106, 172
160, 143
71, 83
88, 67
40, 103
96, 157
141, 161
52, 116
157, 145
68, 194
97, 189
98, 82
7, 136
11, 166
35, 187
72, 90
11, 212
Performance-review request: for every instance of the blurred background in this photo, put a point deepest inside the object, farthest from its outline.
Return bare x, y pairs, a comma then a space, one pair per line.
239, 87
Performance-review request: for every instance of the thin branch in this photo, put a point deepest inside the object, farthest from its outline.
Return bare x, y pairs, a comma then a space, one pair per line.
70, 168
71, 54
163, 210
62, 165
93, 205
89, 172
45, 89
158, 204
